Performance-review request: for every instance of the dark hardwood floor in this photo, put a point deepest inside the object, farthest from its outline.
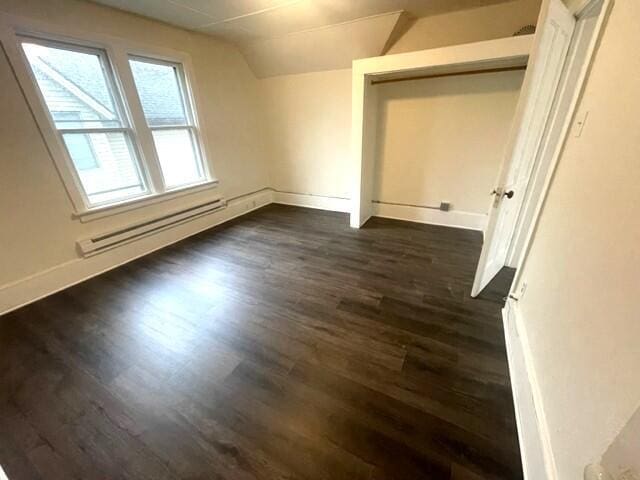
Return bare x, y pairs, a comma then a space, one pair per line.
282, 345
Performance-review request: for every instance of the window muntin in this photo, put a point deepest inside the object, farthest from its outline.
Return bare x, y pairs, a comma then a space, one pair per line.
79, 92
167, 109
108, 158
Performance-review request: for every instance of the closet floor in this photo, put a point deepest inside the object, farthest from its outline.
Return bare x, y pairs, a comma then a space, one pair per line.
281, 345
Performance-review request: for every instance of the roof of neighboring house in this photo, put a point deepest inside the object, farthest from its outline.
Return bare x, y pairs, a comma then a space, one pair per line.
81, 81
82, 75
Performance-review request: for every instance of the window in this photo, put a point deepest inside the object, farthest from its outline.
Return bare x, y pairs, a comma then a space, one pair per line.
79, 146
109, 158
168, 112
78, 90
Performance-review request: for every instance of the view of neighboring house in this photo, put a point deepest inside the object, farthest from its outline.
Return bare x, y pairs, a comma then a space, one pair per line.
98, 140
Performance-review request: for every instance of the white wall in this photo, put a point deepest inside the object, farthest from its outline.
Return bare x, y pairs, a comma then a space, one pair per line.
309, 115
442, 139
298, 124
581, 305
315, 50
466, 26
37, 232
448, 133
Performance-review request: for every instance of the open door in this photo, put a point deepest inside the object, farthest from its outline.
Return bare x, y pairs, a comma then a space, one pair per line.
548, 55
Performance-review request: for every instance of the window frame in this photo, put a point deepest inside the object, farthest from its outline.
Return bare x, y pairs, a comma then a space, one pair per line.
188, 102
88, 140
116, 54
117, 96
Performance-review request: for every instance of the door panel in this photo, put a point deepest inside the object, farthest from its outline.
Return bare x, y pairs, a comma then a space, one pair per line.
553, 37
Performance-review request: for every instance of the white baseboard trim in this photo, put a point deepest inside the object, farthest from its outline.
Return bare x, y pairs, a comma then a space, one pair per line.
535, 447
32, 288
47, 282
452, 218
319, 202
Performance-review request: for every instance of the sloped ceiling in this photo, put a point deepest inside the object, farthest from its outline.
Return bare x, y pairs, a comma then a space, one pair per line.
281, 37
328, 48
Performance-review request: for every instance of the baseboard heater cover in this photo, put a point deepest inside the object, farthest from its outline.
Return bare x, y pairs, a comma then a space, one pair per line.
107, 241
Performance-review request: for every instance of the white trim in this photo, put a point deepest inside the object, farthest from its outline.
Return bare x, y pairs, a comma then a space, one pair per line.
140, 202
42, 284
18, 35
576, 94
538, 462
188, 103
542, 78
74, 89
577, 7
115, 53
451, 218
501, 52
106, 241
39, 285
320, 202
504, 52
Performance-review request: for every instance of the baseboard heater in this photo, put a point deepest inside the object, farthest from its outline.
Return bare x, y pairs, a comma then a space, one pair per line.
109, 240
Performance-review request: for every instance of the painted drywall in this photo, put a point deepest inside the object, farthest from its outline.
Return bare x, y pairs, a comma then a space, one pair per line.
315, 50
580, 306
37, 232
442, 139
290, 132
448, 134
308, 116
466, 26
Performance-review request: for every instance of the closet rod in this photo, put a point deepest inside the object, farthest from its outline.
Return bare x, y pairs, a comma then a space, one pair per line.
451, 74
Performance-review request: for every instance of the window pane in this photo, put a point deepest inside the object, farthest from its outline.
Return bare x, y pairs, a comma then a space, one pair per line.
160, 93
81, 151
105, 165
178, 157
74, 87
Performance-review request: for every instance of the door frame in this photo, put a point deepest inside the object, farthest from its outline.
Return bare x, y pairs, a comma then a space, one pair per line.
477, 56
560, 121
552, 43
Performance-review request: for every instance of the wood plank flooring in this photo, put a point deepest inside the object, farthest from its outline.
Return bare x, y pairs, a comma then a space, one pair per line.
282, 345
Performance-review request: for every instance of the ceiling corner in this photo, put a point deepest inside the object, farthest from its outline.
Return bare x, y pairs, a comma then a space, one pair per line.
332, 47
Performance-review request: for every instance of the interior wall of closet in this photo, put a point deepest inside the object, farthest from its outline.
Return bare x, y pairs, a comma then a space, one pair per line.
441, 138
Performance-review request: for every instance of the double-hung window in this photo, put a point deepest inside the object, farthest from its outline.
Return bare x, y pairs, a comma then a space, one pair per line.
78, 88
111, 158
168, 112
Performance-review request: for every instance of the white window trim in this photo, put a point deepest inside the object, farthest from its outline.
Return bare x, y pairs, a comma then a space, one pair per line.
140, 202
123, 112
118, 52
190, 113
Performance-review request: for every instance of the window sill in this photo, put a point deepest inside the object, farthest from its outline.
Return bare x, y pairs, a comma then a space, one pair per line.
140, 202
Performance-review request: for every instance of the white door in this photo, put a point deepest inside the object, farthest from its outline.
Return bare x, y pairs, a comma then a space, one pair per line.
553, 37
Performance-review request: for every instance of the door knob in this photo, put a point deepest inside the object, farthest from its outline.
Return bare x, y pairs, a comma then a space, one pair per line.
508, 194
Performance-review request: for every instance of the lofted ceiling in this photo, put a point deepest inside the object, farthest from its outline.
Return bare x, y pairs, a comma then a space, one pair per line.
294, 36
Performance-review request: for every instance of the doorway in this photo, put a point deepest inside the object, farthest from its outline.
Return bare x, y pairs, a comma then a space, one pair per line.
565, 44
